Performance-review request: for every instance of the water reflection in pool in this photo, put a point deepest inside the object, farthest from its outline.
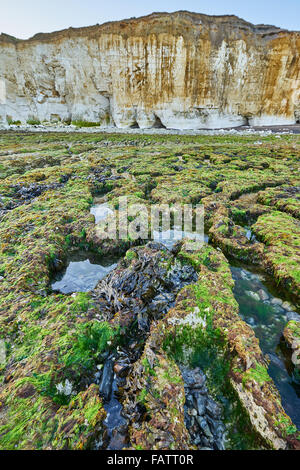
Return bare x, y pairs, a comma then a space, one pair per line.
83, 273
169, 238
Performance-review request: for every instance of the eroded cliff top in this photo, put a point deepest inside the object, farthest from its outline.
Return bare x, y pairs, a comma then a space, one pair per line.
180, 22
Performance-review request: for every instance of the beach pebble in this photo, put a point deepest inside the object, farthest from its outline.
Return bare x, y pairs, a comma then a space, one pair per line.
253, 295
293, 316
263, 295
287, 306
276, 301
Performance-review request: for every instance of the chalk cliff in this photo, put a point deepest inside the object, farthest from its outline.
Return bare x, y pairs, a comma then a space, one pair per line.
181, 70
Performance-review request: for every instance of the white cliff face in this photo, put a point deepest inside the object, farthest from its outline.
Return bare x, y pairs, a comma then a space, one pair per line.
2, 101
181, 71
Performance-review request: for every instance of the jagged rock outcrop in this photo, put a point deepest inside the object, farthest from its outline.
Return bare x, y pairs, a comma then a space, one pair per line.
181, 70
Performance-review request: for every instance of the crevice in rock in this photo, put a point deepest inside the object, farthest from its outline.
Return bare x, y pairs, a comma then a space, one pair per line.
203, 416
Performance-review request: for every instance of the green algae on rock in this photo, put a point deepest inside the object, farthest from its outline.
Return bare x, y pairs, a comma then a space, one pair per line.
54, 343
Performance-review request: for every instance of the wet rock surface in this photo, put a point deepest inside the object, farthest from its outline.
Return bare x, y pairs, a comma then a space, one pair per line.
116, 425
24, 194
144, 288
203, 416
139, 291
107, 378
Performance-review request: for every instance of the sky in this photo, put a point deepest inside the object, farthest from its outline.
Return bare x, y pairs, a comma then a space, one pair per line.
24, 18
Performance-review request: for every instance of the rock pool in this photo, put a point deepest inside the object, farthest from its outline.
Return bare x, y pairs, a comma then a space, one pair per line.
268, 314
83, 272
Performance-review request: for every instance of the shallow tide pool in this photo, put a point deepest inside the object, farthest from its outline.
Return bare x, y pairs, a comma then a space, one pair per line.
268, 314
83, 272
169, 238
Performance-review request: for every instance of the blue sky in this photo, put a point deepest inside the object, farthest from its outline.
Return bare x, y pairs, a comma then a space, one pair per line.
24, 18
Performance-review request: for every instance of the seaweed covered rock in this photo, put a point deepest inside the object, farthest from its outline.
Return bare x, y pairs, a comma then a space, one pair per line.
81, 422
292, 331
206, 317
281, 234
142, 288
232, 238
248, 368
155, 404
284, 198
174, 309
291, 335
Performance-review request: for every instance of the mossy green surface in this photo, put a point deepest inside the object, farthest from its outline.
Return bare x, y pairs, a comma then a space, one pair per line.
50, 338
